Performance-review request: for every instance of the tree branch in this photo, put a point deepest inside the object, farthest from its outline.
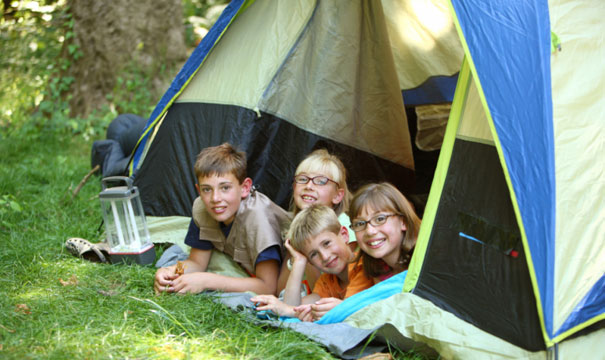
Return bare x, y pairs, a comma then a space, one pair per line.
84, 180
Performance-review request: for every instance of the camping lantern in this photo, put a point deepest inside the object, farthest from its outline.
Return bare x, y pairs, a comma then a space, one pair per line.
125, 224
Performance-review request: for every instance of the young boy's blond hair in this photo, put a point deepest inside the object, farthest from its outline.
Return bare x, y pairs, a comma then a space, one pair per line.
221, 160
311, 222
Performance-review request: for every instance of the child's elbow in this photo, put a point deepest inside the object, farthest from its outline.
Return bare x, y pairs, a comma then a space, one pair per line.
270, 288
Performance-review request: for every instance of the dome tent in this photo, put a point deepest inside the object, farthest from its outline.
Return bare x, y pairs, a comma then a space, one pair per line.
511, 245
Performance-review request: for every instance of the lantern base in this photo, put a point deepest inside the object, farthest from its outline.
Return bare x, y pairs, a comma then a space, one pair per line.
143, 257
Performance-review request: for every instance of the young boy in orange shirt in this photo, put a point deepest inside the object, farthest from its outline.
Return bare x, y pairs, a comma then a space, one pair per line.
316, 236
231, 217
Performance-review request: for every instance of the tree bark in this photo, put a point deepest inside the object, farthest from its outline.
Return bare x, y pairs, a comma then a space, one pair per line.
112, 36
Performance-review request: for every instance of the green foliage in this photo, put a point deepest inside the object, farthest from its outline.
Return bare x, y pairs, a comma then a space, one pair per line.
38, 50
199, 17
53, 112
30, 47
34, 89
200, 7
132, 92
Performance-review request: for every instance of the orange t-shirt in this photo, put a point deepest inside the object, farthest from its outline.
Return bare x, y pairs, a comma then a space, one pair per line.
327, 285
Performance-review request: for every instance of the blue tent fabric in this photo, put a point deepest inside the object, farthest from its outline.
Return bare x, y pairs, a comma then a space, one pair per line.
591, 306
435, 90
509, 71
351, 305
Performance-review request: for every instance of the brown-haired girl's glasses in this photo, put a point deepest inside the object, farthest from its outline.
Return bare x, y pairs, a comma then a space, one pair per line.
380, 219
317, 180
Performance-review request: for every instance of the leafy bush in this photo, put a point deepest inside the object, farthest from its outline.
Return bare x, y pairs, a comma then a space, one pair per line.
30, 46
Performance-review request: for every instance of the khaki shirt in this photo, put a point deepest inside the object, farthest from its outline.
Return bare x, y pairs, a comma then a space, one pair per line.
258, 225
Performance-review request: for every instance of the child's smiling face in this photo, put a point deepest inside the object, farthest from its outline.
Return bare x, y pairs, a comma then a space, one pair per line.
382, 241
222, 195
305, 195
328, 251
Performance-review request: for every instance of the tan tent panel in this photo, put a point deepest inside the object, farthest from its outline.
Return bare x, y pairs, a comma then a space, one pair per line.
364, 111
579, 124
239, 46
423, 39
326, 101
474, 125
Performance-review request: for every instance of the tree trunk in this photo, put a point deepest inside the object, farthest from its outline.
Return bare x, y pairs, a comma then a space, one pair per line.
112, 36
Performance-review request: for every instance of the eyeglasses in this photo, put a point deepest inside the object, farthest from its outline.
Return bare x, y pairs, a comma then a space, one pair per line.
317, 180
375, 221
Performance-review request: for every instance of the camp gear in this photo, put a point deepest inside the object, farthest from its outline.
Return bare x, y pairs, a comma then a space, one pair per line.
113, 153
86, 250
125, 225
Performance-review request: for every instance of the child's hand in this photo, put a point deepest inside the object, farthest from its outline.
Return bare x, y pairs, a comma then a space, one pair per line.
271, 303
303, 312
188, 283
297, 258
264, 300
163, 279
322, 306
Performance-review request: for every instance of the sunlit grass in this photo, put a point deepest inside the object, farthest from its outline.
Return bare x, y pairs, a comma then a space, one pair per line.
54, 305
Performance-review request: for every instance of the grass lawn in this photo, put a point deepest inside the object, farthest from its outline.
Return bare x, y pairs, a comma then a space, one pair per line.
56, 306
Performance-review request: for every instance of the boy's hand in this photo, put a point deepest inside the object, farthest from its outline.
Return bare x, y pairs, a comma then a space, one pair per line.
303, 312
270, 302
163, 279
322, 306
297, 258
188, 283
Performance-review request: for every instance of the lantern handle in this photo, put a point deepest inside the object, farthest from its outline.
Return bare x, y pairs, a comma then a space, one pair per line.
111, 179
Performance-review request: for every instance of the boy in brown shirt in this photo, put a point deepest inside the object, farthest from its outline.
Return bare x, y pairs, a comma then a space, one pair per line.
231, 217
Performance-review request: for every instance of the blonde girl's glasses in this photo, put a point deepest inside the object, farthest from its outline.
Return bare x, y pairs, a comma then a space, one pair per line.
317, 180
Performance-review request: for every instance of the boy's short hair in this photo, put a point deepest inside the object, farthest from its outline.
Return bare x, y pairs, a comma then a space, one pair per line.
221, 160
311, 222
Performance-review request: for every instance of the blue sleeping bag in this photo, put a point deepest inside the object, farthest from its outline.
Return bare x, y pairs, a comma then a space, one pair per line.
380, 291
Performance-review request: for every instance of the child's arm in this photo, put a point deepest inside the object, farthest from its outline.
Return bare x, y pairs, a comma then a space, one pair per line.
265, 281
284, 273
299, 263
197, 262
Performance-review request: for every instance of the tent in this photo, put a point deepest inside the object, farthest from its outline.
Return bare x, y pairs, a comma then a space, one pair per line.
510, 257
266, 91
